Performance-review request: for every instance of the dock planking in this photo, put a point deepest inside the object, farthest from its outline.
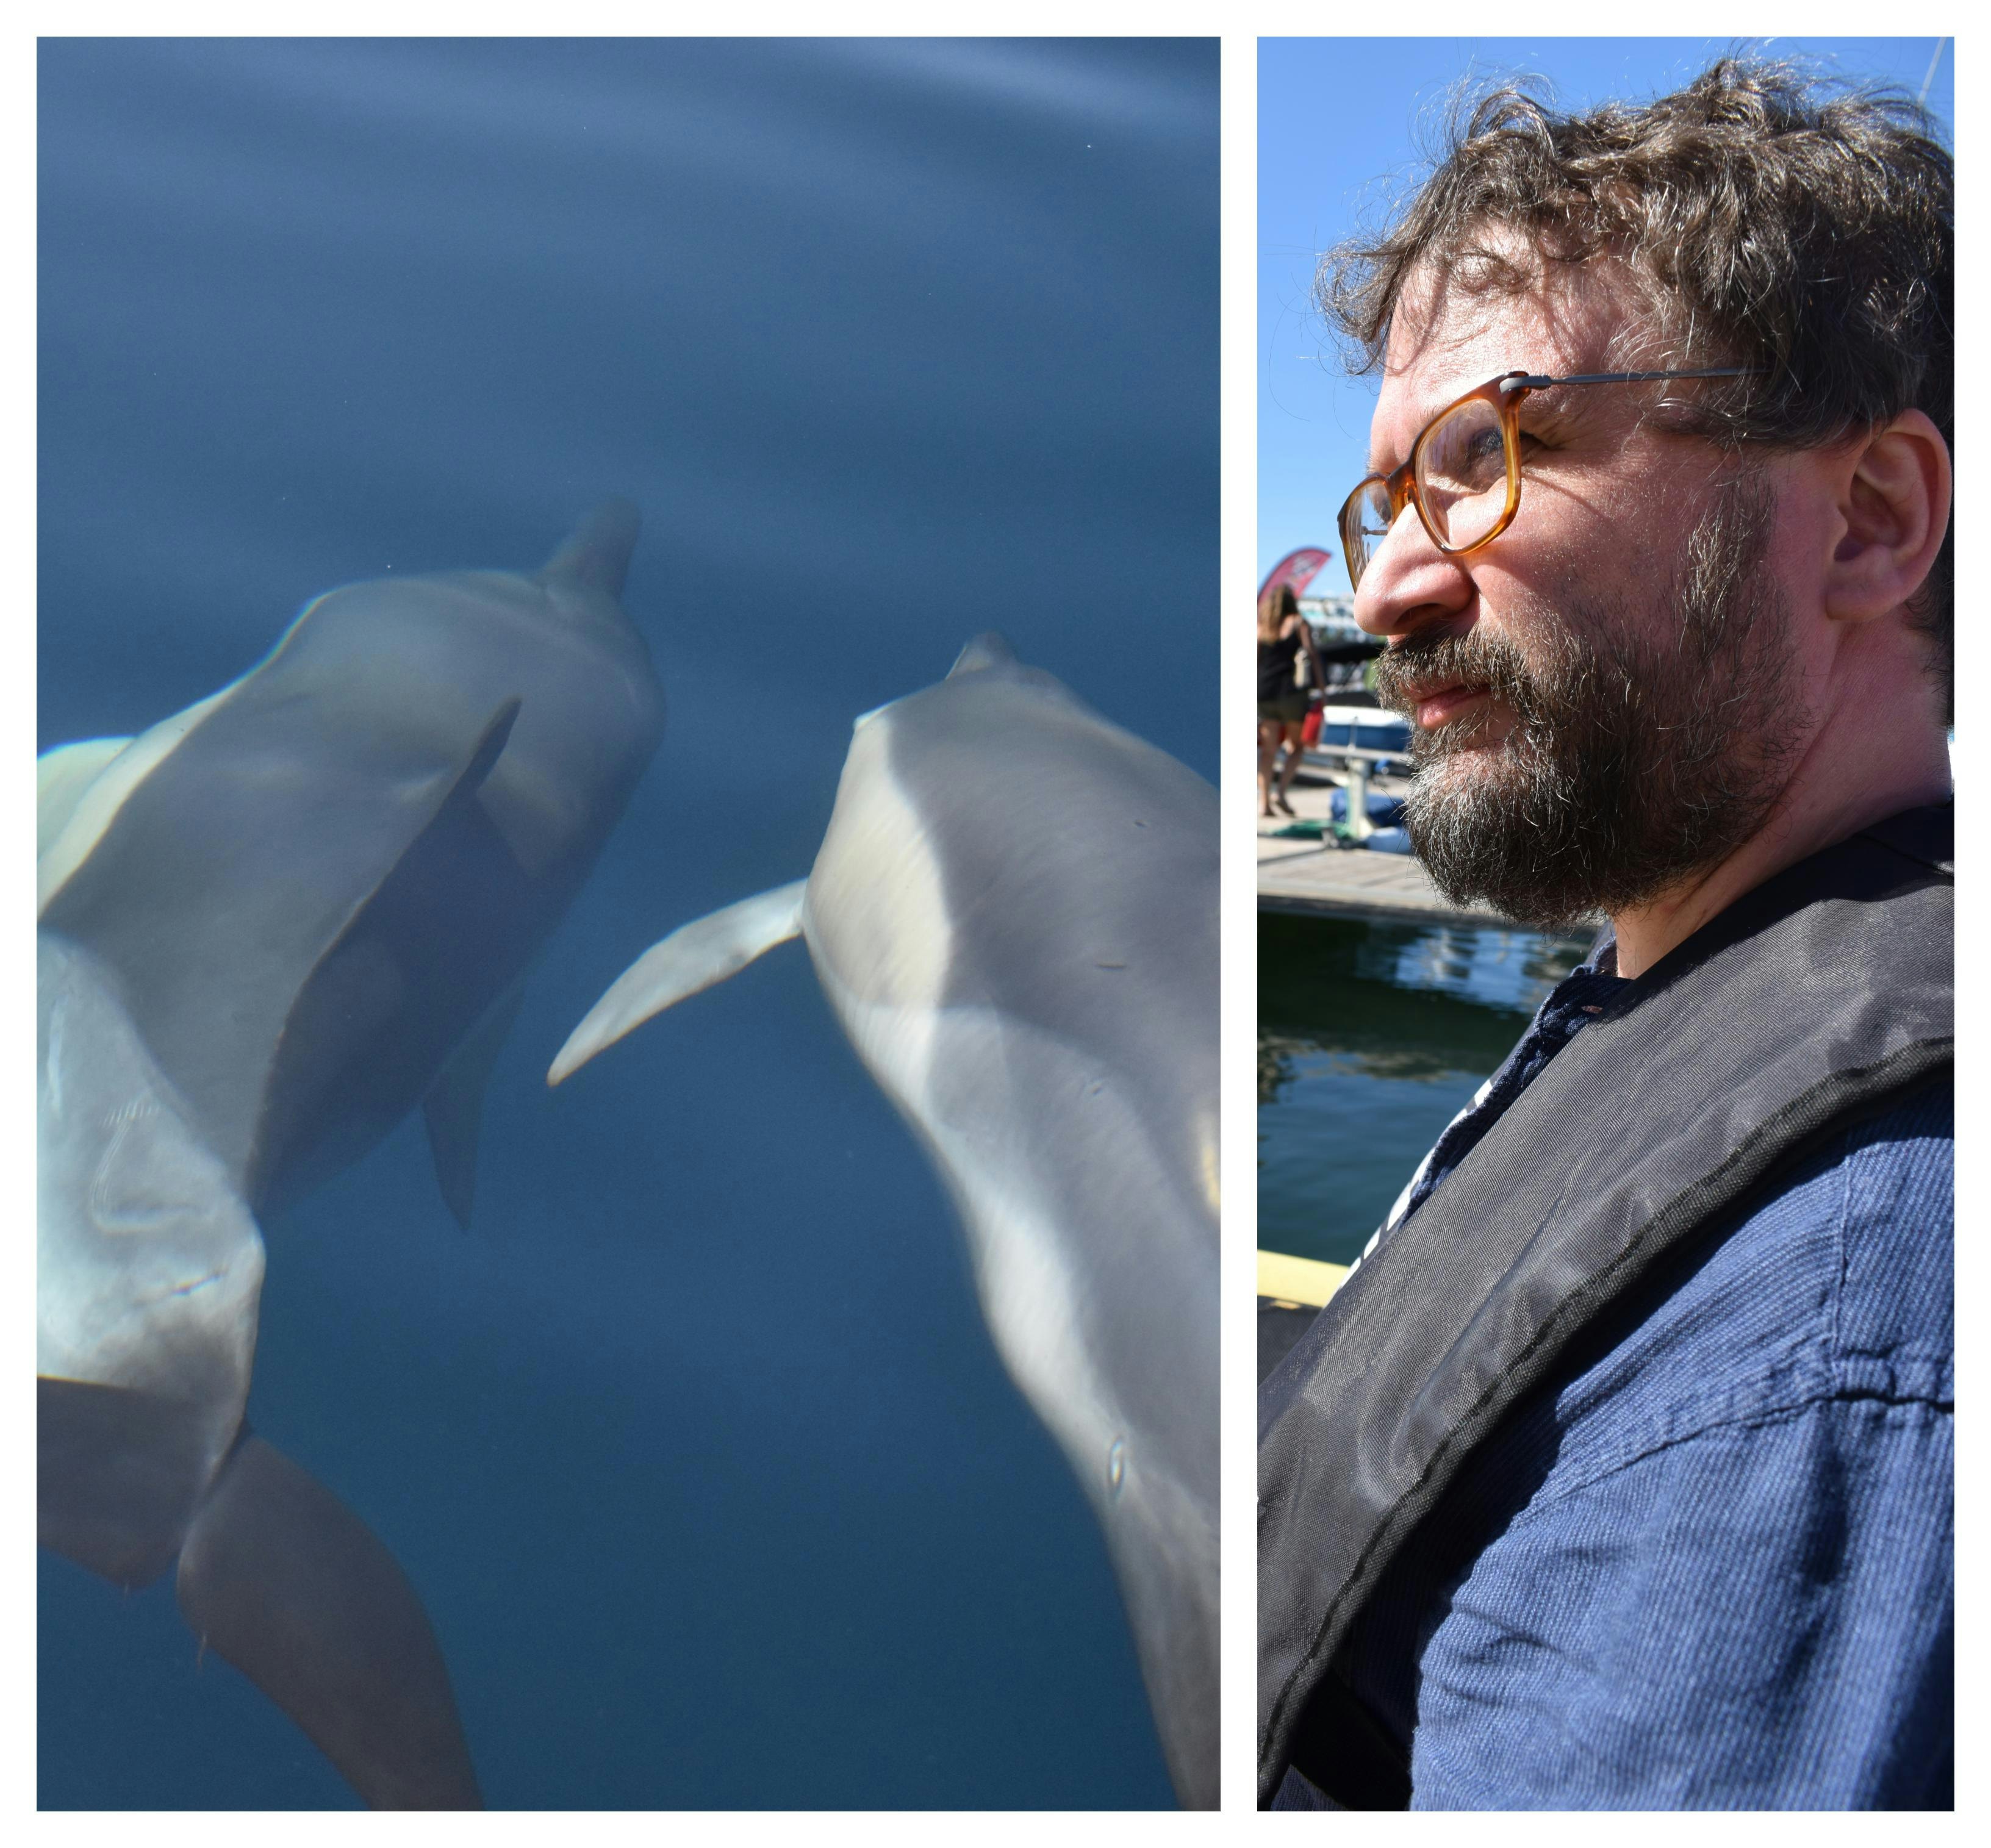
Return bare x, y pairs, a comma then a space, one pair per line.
1304, 876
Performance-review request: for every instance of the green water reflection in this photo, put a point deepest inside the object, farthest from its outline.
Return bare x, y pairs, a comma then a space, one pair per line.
1371, 1036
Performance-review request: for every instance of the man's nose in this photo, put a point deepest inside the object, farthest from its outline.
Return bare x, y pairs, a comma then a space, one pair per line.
1409, 583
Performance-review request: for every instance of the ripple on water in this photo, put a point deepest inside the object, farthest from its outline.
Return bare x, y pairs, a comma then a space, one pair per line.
1371, 1037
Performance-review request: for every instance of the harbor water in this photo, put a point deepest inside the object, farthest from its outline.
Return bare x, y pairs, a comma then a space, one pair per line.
1372, 1036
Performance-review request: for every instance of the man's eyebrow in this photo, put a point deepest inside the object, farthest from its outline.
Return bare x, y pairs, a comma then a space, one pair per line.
1378, 466
1555, 409
1439, 401
1556, 400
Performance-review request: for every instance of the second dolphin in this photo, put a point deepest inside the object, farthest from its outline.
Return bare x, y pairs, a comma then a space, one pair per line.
1014, 915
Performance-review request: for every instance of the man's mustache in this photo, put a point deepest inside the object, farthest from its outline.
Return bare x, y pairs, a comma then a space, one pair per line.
1486, 663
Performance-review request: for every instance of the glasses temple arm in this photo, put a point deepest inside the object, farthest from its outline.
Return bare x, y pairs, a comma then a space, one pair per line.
1539, 381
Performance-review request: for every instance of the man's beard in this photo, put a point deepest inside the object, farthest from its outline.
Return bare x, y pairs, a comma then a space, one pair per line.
1639, 753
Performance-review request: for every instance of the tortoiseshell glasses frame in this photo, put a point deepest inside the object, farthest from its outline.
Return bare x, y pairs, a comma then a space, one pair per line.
1463, 500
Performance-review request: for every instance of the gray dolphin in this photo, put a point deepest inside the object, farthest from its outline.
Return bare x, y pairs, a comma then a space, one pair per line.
148, 1270
321, 886
270, 926
1014, 917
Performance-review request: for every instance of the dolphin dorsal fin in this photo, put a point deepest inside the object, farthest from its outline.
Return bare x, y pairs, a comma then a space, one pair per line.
990, 648
597, 552
693, 957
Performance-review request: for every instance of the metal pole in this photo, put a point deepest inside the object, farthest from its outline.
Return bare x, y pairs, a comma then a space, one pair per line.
1358, 799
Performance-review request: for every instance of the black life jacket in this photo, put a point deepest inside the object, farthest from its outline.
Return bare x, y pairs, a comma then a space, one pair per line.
1823, 996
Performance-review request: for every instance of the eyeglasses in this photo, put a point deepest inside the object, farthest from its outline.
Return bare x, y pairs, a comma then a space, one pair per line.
1463, 474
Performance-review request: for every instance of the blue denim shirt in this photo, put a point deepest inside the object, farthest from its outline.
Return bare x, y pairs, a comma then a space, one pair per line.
1710, 1563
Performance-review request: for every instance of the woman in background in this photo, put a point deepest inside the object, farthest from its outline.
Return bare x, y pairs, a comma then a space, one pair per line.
1283, 632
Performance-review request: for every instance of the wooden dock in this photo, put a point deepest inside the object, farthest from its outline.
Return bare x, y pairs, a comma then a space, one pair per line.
1306, 876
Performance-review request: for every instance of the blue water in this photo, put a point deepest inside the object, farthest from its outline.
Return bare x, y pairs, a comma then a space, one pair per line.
1372, 1036
696, 1447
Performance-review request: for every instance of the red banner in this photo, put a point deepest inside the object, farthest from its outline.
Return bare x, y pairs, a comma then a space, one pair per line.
1297, 569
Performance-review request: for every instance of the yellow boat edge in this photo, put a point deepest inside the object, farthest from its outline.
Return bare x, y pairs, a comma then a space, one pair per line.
1298, 1282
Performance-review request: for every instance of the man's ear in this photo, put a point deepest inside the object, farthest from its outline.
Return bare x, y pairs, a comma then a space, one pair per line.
1894, 499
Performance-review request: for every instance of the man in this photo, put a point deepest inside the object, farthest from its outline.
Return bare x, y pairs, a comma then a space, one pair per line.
1619, 1472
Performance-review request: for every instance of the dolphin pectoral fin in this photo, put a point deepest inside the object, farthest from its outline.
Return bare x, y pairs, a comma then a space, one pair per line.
693, 957
597, 552
990, 648
62, 777
280, 1578
98, 797
453, 1109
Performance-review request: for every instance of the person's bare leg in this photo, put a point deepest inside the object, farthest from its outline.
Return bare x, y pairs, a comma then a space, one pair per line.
1269, 731
1290, 733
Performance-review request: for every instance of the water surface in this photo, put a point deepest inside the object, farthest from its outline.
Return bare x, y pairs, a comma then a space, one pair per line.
696, 1446
1372, 1036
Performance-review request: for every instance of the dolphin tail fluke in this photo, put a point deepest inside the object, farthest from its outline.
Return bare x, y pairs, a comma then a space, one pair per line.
597, 552
118, 1473
453, 1109
990, 648
280, 1578
692, 957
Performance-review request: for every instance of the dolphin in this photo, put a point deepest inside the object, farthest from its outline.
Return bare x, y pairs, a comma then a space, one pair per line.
149, 1269
321, 887
1013, 915
270, 926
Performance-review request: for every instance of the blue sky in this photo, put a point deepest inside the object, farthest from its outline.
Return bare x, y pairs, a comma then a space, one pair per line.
1338, 123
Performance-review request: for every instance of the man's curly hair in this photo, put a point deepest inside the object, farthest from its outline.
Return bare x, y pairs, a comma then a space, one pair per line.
1776, 220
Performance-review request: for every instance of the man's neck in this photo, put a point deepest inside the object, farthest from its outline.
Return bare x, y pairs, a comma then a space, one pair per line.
1880, 776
